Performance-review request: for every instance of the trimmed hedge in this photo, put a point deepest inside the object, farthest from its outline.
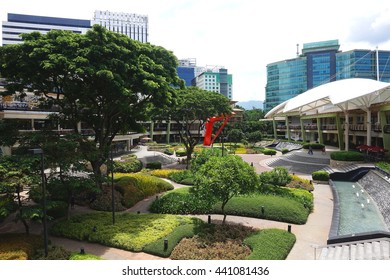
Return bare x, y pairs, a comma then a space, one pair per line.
270, 244
314, 146
269, 152
320, 175
347, 156
154, 165
131, 166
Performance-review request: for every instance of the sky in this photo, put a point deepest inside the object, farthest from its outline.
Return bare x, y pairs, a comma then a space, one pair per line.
241, 35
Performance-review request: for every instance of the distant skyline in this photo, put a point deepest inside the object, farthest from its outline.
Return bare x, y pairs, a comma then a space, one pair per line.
241, 35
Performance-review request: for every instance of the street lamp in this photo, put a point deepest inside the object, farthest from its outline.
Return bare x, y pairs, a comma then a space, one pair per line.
39, 151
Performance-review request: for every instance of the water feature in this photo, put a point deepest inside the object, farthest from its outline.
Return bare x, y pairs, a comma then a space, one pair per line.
358, 212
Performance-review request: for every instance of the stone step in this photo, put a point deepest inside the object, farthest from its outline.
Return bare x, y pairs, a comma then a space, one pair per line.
369, 250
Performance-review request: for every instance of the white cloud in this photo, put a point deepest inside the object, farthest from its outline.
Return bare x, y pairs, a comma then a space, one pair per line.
242, 35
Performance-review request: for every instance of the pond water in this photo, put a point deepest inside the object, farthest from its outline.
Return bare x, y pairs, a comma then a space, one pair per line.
358, 211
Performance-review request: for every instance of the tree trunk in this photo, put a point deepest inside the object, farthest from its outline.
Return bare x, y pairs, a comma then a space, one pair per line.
20, 206
223, 212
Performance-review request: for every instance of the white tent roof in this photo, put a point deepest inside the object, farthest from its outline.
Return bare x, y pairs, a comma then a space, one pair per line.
344, 94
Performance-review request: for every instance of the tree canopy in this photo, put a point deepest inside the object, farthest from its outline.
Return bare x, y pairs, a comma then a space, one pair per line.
222, 178
194, 106
103, 80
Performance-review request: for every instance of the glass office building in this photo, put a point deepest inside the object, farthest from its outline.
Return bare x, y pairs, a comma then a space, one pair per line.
320, 63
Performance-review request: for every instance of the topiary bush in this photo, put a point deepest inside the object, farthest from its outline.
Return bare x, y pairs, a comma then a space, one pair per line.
163, 173
285, 151
314, 146
181, 152
153, 165
130, 166
269, 152
347, 156
320, 175
185, 177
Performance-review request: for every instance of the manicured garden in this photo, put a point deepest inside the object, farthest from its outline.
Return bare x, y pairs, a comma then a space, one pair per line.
186, 237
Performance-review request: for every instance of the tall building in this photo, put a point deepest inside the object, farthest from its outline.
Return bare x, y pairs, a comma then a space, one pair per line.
187, 70
215, 79
17, 24
321, 63
133, 25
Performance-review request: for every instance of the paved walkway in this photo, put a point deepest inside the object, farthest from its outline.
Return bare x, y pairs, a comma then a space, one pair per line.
314, 232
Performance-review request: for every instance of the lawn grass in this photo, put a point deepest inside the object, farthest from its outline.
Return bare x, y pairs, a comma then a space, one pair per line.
289, 209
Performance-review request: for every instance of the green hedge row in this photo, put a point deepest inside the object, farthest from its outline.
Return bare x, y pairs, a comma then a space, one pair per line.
314, 146
347, 156
320, 175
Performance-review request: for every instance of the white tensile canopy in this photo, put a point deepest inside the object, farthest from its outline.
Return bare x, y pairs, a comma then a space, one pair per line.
347, 94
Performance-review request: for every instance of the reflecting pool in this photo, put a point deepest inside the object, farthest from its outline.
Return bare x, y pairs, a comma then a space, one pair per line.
358, 213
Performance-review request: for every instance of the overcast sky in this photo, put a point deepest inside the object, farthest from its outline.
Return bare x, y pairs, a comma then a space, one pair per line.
241, 35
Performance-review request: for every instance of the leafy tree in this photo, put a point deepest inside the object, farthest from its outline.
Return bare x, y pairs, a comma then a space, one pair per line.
101, 79
193, 107
254, 136
222, 178
16, 175
235, 135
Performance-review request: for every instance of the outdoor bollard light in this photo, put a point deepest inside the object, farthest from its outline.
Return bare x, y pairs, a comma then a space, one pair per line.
289, 228
165, 244
209, 219
82, 251
138, 212
156, 197
262, 210
94, 229
39, 151
252, 164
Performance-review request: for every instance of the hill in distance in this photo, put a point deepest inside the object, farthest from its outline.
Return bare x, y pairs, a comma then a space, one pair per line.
248, 105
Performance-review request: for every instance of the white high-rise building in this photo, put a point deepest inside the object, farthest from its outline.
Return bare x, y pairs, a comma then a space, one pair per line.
133, 25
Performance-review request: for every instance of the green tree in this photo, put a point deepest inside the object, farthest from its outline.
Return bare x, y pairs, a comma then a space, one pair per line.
102, 80
235, 135
222, 178
254, 136
193, 107
16, 176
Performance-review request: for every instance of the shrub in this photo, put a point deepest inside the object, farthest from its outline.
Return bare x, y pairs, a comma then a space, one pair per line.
103, 201
285, 151
278, 176
270, 244
240, 150
19, 246
54, 253
182, 177
163, 173
135, 187
130, 166
320, 175
384, 166
131, 231
157, 248
214, 242
57, 209
347, 156
269, 152
300, 183
314, 146
180, 201
181, 152
85, 256
153, 165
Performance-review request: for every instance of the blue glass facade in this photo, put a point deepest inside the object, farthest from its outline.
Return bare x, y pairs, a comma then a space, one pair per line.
187, 74
321, 63
49, 20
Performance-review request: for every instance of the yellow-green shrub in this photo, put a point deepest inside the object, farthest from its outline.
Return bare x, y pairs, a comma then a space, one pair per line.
300, 183
19, 246
163, 173
135, 187
240, 150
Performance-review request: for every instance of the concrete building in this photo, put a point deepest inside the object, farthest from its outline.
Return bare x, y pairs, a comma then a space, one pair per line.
18, 24
133, 25
215, 79
321, 63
